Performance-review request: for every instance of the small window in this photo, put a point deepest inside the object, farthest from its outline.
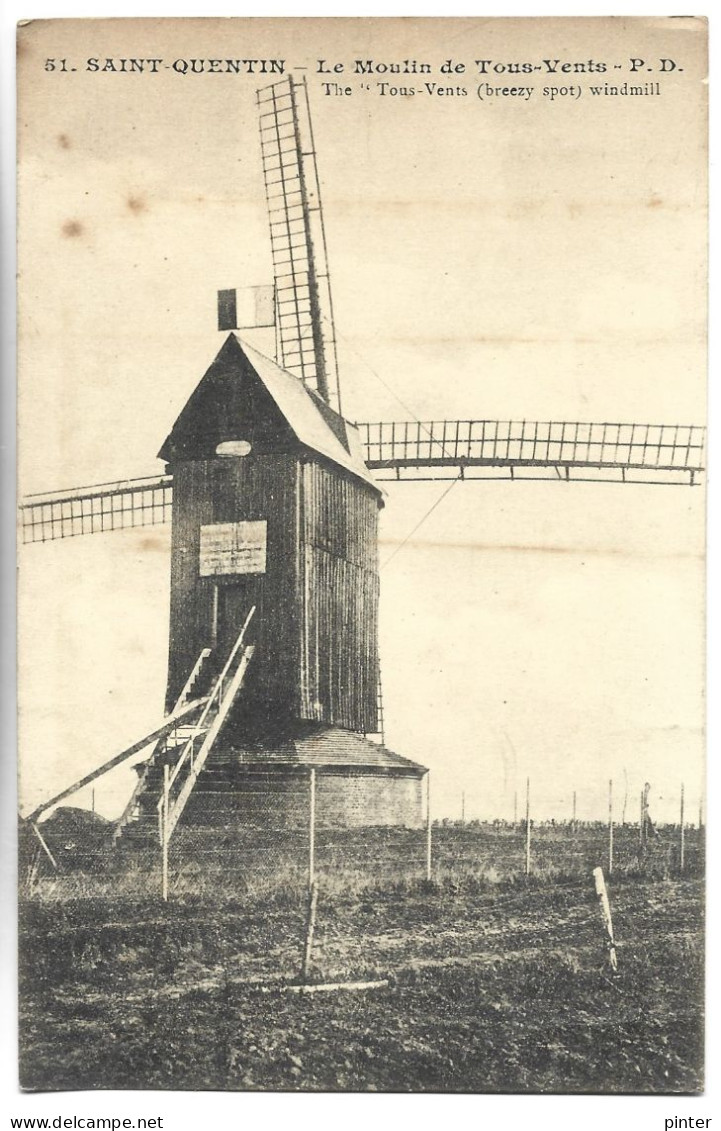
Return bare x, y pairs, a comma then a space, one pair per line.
231, 448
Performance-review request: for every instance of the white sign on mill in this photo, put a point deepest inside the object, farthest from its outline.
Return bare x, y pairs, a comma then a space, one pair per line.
233, 547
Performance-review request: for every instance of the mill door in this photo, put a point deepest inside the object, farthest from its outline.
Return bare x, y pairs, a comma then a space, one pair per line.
233, 601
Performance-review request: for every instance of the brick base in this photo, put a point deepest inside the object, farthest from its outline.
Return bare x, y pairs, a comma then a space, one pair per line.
280, 799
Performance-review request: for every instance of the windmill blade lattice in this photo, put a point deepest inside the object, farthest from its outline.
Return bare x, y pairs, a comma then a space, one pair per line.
304, 309
411, 450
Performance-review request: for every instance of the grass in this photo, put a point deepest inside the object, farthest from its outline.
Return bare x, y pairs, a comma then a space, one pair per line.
224, 866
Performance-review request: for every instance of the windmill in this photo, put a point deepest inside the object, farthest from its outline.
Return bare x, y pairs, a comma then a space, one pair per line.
397, 451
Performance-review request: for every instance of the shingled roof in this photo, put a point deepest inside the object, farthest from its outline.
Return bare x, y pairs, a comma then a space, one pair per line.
241, 385
325, 747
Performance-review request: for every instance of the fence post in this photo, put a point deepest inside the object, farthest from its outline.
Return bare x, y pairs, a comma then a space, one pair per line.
641, 828
682, 831
429, 833
311, 833
164, 830
610, 826
309, 930
528, 826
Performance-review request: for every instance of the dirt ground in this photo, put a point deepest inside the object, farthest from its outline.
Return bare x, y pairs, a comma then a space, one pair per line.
501, 987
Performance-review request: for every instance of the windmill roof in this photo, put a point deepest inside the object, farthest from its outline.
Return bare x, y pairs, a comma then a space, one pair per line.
307, 417
313, 423
326, 747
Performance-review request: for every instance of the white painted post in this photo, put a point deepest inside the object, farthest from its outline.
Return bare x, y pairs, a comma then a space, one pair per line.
429, 833
164, 829
610, 826
528, 826
602, 894
682, 858
311, 833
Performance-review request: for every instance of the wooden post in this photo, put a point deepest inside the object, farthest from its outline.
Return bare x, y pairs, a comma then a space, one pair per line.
610, 826
641, 829
164, 830
311, 833
646, 826
573, 822
429, 827
528, 826
606, 914
682, 833
214, 618
309, 930
92, 800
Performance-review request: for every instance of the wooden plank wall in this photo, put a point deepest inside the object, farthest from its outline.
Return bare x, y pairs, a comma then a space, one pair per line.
316, 624
191, 597
235, 490
339, 572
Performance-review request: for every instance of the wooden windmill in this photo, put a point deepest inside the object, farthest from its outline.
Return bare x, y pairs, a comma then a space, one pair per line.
274, 501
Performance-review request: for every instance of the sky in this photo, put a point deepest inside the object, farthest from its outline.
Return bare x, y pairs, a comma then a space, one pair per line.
489, 259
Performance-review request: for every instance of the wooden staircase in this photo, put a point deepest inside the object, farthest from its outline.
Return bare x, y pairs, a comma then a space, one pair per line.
131, 813
168, 778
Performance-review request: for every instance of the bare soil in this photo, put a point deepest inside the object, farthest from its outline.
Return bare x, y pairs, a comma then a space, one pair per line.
493, 987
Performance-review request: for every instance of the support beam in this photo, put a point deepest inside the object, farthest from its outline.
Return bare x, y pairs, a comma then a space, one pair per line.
159, 732
44, 846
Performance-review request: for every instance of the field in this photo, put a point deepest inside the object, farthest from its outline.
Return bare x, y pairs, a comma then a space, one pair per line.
497, 981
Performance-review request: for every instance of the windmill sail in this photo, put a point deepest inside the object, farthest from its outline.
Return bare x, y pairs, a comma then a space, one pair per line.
96, 509
530, 449
304, 309
562, 451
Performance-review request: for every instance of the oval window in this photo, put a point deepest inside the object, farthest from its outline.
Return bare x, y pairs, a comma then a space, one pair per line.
230, 448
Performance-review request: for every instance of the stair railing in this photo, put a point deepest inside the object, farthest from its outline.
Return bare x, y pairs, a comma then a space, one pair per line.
214, 700
190, 682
